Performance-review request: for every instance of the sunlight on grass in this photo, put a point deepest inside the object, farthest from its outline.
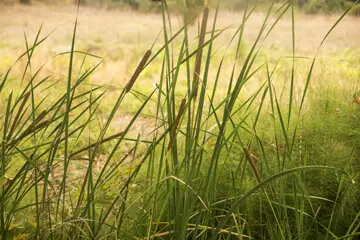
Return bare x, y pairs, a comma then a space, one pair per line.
218, 129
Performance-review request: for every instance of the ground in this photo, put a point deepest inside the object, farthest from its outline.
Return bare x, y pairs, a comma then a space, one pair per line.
119, 36
122, 37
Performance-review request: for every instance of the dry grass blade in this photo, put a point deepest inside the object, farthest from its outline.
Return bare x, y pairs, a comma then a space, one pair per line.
138, 70
176, 123
97, 143
12, 129
250, 158
188, 186
31, 129
199, 54
356, 99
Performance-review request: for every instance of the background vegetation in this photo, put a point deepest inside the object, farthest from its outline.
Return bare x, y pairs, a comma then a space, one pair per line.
308, 6
237, 126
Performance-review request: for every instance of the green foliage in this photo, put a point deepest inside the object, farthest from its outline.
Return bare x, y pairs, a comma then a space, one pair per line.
141, 5
355, 11
220, 161
234, 5
316, 6
144, 6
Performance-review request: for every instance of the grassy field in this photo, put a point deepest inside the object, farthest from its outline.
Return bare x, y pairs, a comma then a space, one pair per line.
117, 130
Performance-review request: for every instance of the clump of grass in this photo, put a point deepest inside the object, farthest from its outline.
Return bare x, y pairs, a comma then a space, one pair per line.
212, 167
355, 11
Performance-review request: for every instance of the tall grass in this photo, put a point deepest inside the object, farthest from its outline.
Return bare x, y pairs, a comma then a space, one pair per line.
206, 170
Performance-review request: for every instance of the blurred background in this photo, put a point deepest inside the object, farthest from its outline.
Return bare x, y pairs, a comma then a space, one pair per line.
111, 38
308, 6
120, 31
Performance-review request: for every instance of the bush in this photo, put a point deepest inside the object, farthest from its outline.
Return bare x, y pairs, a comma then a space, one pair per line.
312, 7
143, 5
234, 5
135, 5
355, 11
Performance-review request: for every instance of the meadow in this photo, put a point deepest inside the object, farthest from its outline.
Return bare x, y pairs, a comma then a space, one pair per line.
124, 125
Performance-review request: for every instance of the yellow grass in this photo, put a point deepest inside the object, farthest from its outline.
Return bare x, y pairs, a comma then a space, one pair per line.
122, 37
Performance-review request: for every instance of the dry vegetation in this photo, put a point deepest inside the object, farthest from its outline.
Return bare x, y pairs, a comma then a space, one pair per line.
118, 36
121, 37
327, 129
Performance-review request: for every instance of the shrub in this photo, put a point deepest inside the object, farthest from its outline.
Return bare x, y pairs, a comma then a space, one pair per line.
148, 5
135, 5
313, 7
316, 6
355, 11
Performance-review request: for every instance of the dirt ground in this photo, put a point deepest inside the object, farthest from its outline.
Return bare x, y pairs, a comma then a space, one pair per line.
122, 37
130, 28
